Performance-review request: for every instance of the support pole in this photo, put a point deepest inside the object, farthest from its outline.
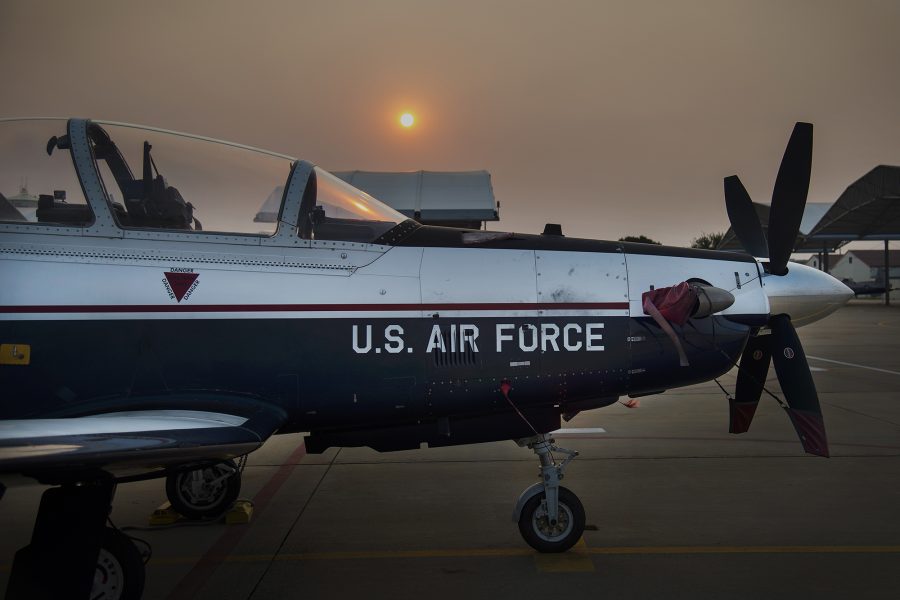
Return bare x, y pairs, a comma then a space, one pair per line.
825, 258
887, 275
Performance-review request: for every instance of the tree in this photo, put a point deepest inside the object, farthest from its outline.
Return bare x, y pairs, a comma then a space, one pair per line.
708, 241
640, 239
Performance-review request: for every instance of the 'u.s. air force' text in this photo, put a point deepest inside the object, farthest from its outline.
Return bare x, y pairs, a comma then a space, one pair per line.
463, 337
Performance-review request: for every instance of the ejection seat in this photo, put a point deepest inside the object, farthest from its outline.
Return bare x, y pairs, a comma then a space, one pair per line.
151, 202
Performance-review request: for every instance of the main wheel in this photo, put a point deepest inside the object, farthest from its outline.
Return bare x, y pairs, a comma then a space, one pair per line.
544, 536
120, 569
204, 493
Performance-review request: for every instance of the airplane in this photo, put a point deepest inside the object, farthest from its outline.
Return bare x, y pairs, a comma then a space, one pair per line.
150, 328
865, 288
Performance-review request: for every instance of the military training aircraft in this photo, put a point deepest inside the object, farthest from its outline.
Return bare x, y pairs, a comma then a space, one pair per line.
150, 326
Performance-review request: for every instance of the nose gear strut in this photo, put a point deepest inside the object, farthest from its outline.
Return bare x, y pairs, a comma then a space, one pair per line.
550, 517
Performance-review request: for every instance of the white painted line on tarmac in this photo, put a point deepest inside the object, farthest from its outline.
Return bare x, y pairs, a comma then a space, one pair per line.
814, 369
579, 430
846, 364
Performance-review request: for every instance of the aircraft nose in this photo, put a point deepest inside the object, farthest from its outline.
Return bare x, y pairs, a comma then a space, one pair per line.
805, 294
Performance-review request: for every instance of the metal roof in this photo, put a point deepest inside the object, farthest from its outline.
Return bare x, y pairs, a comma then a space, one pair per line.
430, 196
867, 210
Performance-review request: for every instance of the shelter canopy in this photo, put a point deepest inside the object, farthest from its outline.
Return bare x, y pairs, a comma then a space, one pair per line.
461, 197
869, 209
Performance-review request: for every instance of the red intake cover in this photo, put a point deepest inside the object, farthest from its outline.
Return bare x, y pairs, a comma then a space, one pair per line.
675, 303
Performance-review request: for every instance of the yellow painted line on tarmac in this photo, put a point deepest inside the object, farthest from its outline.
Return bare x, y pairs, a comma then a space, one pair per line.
581, 550
575, 560
576, 556
461, 553
745, 550
361, 555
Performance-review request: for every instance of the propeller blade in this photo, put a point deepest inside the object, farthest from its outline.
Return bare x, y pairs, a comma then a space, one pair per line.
789, 197
797, 384
750, 381
743, 217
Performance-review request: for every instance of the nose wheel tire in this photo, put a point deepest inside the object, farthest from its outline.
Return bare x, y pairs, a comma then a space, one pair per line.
543, 535
204, 493
120, 569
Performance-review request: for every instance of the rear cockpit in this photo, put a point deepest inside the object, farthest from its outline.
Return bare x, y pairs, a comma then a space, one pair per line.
97, 175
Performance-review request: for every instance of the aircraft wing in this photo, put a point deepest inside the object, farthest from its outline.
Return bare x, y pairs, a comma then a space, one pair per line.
129, 444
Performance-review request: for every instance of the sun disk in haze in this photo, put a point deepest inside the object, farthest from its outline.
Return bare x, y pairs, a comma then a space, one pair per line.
407, 120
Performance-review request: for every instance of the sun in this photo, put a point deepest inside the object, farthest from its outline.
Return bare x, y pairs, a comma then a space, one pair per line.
407, 120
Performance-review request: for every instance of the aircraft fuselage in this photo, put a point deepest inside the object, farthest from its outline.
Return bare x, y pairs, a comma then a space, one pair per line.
353, 342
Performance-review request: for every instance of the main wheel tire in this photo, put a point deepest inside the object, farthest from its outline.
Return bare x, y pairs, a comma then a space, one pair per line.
207, 498
120, 569
544, 537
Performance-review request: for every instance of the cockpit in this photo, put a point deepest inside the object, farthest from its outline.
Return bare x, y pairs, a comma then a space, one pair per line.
146, 179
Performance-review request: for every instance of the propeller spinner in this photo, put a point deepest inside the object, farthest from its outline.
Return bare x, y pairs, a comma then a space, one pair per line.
796, 293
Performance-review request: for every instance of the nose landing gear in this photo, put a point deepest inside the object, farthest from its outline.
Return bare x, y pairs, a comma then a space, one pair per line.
550, 516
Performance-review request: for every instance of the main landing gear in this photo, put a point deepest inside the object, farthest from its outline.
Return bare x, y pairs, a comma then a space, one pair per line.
73, 554
205, 493
120, 568
550, 517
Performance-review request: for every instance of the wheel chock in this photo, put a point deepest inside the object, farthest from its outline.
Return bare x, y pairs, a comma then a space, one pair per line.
164, 515
240, 513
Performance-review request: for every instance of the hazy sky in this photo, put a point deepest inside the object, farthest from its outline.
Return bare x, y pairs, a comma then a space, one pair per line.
611, 118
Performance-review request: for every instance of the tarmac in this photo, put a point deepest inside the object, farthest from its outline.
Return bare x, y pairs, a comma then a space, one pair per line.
676, 507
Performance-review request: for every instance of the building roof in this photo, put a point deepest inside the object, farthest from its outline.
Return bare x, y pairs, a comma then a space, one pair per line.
833, 259
430, 196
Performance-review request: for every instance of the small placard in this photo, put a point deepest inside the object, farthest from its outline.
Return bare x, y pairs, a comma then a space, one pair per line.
15, 354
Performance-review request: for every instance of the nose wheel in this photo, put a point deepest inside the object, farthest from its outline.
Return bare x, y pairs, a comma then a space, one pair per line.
550, 517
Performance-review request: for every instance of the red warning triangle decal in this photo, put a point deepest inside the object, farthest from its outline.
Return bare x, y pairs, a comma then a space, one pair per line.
181, 283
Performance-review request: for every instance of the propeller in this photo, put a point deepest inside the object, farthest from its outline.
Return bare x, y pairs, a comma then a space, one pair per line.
744, 221
788, 202
782, 346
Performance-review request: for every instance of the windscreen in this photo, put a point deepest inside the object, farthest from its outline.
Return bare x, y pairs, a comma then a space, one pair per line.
346, 213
